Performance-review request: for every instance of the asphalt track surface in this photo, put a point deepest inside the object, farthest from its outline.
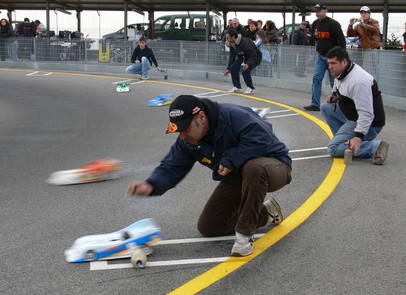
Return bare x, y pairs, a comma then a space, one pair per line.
344, 231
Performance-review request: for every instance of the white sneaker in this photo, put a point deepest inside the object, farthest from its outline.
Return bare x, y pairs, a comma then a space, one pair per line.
235, 89
144, 78
249, 90
243, 245
274, 212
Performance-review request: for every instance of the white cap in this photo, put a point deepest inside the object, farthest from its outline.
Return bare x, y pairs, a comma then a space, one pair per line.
365, 8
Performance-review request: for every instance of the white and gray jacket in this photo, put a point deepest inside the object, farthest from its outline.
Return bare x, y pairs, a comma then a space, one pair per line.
360, 99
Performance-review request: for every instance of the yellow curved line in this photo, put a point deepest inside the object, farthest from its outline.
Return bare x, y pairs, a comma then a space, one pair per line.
296, 218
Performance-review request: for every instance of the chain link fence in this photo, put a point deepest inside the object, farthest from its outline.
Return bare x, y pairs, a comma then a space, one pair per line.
293, 63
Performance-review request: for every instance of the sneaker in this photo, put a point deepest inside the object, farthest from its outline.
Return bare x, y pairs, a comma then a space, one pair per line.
274, 212
144, 78
243, 245
249, 90
381, 153
235, 89
312, 108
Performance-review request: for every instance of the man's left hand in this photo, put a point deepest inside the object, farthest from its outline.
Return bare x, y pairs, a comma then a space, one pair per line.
245, 67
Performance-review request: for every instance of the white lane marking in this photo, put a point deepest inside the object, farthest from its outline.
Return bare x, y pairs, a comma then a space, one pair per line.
200, 240
280, 111
312, 157
38, 74
137, 82
280, 116
103, 265
309, 149
119, 82
205, 93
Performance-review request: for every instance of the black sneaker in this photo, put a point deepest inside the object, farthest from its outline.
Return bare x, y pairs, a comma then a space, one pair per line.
312, 108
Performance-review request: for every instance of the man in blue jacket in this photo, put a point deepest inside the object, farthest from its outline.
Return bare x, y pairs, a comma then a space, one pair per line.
142, 59
246, 158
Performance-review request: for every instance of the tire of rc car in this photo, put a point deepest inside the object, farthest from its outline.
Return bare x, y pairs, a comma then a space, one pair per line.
90, 255
138, 258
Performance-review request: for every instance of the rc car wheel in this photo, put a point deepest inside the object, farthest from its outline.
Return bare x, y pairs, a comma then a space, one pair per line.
90, 255
138, 258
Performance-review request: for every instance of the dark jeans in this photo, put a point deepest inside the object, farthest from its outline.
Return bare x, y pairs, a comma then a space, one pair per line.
238, 207
235, 74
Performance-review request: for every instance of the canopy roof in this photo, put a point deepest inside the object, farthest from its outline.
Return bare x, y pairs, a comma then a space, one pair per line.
200, 5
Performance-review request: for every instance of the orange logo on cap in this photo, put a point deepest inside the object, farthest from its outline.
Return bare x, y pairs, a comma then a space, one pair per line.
171, 127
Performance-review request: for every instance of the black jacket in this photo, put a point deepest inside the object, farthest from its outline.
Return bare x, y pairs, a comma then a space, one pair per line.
245, 50
138, 53
328, 34
301, 38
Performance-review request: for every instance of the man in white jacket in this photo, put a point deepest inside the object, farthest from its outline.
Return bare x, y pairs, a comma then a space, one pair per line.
354, 111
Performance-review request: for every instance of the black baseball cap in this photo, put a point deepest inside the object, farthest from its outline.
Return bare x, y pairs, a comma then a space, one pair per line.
319, 7
182, 111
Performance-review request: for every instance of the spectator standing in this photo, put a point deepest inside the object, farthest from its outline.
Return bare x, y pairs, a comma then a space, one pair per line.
142, 58
26, 32
242, 52
259, 24
238, 27
272, 32
252, 30
245, 156
404, 40
328, 34
310, 34
367, 29
300, 39
266, 56
6, 32
354, 111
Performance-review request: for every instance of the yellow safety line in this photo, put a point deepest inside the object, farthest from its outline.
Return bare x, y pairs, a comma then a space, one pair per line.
296, 218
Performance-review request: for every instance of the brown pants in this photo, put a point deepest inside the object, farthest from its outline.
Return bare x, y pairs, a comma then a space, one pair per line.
239, 207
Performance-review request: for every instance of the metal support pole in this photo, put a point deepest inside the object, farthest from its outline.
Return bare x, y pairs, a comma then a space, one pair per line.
125, 20
385, 24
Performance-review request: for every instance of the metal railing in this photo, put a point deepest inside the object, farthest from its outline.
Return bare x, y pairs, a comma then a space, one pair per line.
285, 61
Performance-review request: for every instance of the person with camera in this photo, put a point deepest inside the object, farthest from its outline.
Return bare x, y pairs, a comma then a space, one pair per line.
367, 29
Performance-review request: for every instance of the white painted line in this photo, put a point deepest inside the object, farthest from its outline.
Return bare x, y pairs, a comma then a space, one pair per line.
200, 94
47, 74
32, 73
309, 149
200, 240
103, 265
288, 115
280, 111
119, 82
313, 157
137, 82
218, 95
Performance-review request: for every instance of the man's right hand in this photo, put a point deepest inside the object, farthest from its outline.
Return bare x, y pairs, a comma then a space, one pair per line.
140, 188
226, 73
